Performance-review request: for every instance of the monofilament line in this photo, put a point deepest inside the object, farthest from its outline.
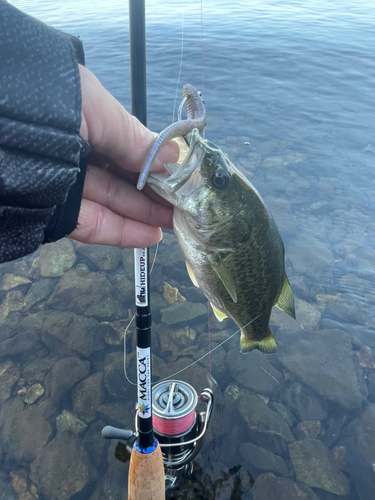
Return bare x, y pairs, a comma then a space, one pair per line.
181, 57
191, 364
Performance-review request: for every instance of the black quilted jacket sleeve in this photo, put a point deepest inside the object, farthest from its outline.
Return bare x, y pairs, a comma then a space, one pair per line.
42, 156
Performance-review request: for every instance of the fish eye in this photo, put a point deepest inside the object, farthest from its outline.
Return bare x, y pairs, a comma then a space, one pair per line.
220, 181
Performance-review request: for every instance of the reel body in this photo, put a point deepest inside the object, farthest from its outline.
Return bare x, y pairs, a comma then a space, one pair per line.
177, 425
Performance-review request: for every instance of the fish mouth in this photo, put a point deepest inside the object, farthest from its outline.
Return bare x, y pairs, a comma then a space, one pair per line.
167, 184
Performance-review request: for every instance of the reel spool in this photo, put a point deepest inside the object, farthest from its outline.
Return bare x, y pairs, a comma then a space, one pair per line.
178, 427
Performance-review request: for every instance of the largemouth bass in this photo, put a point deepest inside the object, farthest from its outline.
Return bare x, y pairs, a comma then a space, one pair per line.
233, 249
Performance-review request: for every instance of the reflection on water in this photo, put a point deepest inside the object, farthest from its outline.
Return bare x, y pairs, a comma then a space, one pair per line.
289, 96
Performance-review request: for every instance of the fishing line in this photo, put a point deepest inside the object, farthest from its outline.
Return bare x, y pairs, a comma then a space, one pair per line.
191, 364
182, 52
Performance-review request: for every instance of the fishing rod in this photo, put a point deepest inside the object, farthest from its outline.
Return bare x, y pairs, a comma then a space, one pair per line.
169, 432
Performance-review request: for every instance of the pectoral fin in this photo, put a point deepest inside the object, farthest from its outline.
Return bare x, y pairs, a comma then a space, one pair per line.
191, 274
224, 274
285, 300
220, 316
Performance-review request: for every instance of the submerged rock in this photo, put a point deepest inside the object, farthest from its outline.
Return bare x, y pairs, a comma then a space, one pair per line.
38, 291
104, 257
304, 402
69, 333
362, 432
90, 294
57, 258
33, 393
323, 360
10, 281
315, 466
254, 371
263, 459
67, 421
266, 426
62, 469
271, 487
20, 484
9, 374
87, 396
64, 375
171, 294
183, 311
6, 491
24, 432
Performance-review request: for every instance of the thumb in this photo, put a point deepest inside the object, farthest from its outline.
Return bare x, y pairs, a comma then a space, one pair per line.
114, 132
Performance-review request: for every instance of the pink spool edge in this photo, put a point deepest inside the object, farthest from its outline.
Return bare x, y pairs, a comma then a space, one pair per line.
173, 426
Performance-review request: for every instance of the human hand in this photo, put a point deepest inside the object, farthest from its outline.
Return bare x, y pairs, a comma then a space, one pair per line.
113, 212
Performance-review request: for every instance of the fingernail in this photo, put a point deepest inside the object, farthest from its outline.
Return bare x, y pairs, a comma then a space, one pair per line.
169, 153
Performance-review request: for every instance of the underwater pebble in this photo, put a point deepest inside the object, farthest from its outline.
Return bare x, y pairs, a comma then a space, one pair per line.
33, 393
171, 294
67, 421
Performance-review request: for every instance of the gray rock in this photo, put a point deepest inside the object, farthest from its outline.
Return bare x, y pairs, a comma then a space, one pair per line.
87, 396
362, 432
36, 370
124, 289
324, 361
271, 487
62, 469
254, 371
172, 342
24, 432
9, 374
315, 466
22, 345
21, 485
10, 281
67, 421
114, 379
263, 459
64, 375
266, 426
56, 258
6, 491
304, 402
183, 311
117, 415
91, 294
311, 429
361, 472
33, 393
96, 447
284, 412
113, 484
69, 333
38, 291
104, 257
